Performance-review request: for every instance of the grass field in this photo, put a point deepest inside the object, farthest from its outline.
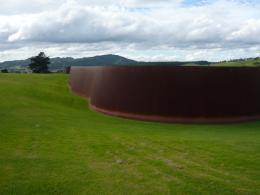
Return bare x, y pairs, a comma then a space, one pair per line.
240, 63
51, 143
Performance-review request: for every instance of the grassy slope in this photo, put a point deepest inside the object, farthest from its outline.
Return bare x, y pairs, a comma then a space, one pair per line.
251, 62
51, 143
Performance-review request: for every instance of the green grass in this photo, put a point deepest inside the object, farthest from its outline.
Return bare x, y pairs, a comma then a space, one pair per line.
51, 143
241, 63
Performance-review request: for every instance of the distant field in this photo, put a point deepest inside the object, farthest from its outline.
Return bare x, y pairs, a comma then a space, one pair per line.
250, 62
51, 143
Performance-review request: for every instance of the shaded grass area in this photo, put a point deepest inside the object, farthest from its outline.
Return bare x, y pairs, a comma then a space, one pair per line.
51, 143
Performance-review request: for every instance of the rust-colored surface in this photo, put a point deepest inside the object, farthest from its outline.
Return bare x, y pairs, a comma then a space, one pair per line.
171, 94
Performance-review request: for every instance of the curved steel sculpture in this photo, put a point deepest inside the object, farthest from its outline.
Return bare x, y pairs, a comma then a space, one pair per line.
171, 94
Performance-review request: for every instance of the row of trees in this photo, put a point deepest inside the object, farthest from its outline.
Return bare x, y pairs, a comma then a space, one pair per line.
4, 71
238, 60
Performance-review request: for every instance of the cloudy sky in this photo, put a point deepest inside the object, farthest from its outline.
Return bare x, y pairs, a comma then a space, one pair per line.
150, 30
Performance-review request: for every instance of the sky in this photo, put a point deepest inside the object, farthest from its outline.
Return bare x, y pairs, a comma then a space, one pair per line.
147, 30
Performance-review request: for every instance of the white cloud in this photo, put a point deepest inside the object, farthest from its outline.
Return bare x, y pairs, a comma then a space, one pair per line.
167, 25
248, 33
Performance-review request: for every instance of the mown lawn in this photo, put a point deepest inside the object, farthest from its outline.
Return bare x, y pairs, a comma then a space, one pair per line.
51, 143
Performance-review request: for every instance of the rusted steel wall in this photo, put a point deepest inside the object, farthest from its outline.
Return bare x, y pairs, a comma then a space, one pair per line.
171, 94
81, 80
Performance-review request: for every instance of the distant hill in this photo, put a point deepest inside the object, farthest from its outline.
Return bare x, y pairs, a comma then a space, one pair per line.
177, 63
59, 64
15, 65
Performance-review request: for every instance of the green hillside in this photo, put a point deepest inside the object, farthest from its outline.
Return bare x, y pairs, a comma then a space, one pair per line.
254, 62
51, 143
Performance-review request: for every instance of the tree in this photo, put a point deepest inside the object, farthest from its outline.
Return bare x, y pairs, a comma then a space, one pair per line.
4, 71
39, 63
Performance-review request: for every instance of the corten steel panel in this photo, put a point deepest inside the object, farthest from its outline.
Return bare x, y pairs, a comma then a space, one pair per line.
171, 94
